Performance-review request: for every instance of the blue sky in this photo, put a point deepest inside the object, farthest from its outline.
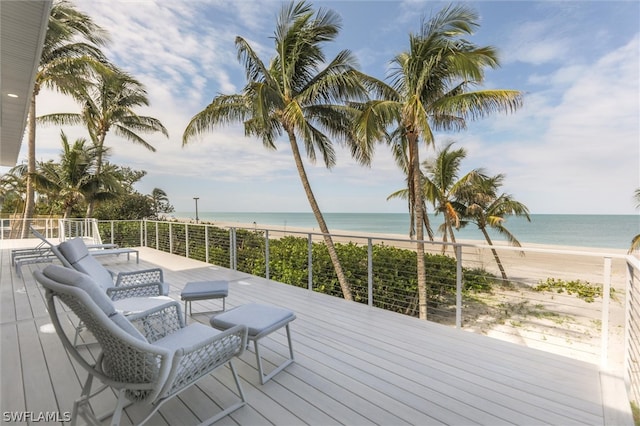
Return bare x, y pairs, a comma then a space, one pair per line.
573, 148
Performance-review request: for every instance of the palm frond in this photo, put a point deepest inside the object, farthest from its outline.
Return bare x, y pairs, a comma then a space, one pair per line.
60, 119
223, 110
128, 134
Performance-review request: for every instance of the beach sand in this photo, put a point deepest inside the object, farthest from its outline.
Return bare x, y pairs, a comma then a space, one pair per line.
550, 321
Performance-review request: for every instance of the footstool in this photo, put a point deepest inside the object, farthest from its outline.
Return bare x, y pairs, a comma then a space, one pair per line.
203, 290
261, 320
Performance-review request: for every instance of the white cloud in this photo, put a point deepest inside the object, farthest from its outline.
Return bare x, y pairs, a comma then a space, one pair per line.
583, 152
572, 148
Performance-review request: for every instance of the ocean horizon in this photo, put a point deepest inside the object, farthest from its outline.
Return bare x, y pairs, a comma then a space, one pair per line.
596, 231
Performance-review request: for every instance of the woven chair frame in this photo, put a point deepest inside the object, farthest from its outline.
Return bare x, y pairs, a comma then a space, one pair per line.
141, 372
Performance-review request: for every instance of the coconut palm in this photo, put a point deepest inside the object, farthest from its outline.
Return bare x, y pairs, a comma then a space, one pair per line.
70, 50
444, 189
73, 179
635, 242
399, 152
109, 103
159, 199
300, 95
431, 89
487, 209
13, 188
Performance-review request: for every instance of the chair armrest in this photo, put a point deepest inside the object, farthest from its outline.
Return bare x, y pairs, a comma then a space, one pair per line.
233, 340
144, 276
137, 290
195, 361
158, 322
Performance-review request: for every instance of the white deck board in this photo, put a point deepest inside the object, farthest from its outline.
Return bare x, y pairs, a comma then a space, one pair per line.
354, 364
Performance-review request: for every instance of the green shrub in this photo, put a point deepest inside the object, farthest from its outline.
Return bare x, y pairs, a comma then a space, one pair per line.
582, 289
394, 278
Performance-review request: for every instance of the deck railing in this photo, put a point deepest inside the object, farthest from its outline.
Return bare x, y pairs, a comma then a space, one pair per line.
632, 332
579, 303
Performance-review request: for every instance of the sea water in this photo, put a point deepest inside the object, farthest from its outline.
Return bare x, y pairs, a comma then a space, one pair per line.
600, 231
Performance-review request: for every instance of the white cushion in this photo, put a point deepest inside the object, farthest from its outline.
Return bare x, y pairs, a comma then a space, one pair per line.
82, 281
77, 254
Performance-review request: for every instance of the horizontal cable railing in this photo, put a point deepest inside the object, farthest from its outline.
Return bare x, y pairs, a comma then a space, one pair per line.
582, 304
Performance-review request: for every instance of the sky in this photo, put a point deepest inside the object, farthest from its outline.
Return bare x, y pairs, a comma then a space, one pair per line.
573, 148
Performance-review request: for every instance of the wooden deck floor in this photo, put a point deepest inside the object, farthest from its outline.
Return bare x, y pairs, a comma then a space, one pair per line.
355, 365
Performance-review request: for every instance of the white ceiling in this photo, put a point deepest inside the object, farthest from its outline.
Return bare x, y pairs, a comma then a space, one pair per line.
22, 30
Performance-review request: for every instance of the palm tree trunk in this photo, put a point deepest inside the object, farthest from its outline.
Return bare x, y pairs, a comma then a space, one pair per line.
98, 143
414, 162
344, 285
495, 253
427, 224
30, 202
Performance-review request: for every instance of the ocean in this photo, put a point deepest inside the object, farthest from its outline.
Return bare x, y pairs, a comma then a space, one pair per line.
599, 231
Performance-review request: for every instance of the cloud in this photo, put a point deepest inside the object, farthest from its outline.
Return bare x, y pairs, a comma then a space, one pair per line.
573, 147
582, 146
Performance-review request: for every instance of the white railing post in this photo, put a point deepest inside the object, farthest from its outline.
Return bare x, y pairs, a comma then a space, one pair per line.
112, 230
310, 261
627, 320
232, 248
157, 236
235, 249
170, 237
186, 240
206, 243
458, 250
267, 273
369, 272
606, 295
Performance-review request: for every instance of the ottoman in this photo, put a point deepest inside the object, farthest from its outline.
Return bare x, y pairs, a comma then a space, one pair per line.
203, 290
260, 320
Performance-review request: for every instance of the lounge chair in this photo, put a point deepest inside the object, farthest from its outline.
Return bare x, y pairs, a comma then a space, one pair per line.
146, 358
43, 252
76, 254
131, 293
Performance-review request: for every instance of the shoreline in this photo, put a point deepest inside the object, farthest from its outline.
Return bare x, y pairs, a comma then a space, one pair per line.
341, 234
567, 230
539, 262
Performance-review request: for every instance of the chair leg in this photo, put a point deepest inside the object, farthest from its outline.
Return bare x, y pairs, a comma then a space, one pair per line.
237, 380
219, 415
117, 414
82, 406
84, 395
233, 407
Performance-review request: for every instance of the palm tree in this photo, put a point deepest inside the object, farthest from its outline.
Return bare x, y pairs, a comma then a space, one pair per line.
68, 54
431, 89
487, 209
444, 188
73, 179
158, 198
13, 188
399, 152
107, 103
635, 242
300, 95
